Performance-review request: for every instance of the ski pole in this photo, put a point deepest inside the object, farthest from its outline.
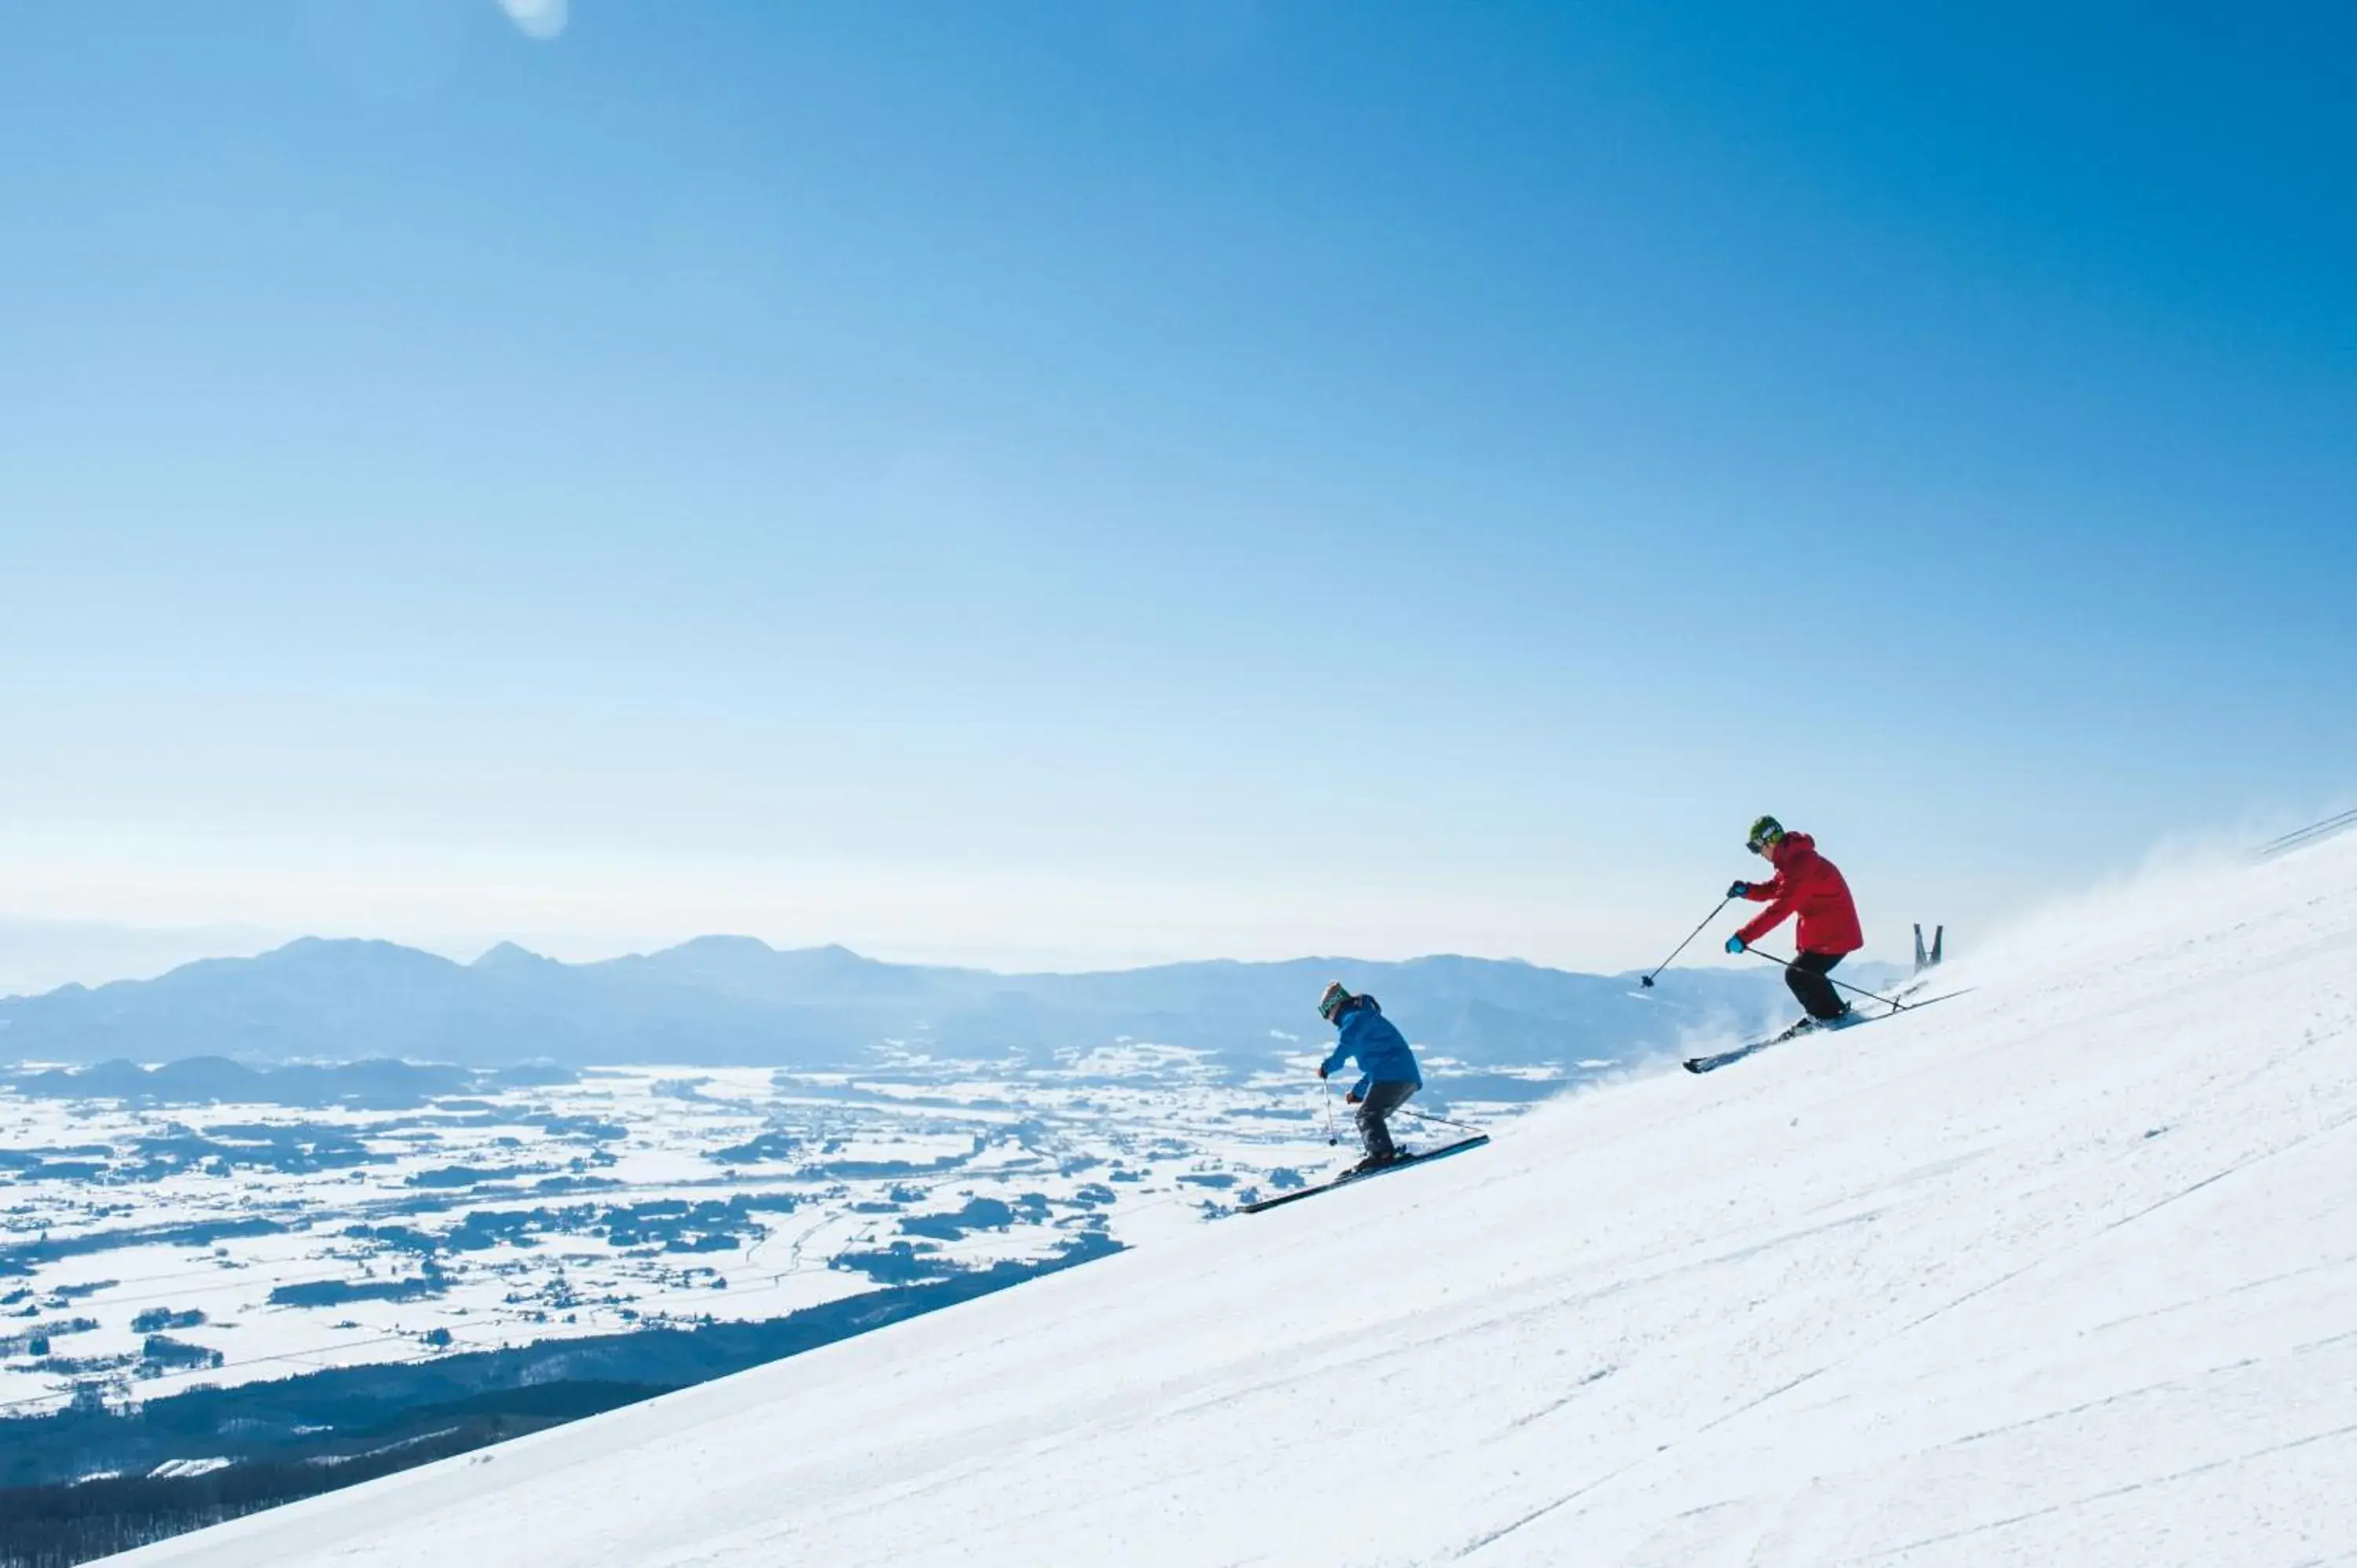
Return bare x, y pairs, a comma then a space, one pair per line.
1845, 986
1403, 1110
1332, 1137
1706, 919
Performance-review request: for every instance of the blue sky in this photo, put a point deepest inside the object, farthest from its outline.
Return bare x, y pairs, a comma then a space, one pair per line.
1083, 483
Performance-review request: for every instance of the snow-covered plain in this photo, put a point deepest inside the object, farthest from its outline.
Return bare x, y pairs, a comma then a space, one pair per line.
2061, 1272
632, 1197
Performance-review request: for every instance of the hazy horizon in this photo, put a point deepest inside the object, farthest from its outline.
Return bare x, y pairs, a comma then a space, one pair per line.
38, 955
88, 948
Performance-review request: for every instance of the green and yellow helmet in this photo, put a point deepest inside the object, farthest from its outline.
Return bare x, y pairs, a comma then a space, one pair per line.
1764, 834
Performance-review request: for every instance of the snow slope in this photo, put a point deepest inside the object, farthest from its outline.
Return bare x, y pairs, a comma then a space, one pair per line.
2061, 1272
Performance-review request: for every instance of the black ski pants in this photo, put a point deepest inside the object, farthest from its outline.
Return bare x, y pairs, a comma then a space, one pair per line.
1806, 976
1382, 1100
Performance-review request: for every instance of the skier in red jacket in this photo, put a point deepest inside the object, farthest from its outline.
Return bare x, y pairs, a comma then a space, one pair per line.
1810, 886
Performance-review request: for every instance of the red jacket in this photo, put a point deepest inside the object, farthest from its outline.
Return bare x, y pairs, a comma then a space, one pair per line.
1808, 883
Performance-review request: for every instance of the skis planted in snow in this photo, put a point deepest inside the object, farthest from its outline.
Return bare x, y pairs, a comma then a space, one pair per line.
1805, 1026
1445, 1150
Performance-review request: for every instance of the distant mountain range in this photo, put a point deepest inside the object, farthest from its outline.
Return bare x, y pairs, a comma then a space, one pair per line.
735, 1000
368, 1085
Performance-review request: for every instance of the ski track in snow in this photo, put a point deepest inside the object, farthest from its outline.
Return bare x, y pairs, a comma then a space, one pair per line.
2060, 1273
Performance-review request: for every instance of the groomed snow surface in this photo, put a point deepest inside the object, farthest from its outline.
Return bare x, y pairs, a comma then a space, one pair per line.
2062, 1271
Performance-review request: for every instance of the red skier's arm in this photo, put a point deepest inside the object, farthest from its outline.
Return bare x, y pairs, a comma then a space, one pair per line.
1780, 899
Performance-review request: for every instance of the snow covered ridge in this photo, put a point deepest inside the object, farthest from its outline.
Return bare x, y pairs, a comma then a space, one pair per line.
2059, 1273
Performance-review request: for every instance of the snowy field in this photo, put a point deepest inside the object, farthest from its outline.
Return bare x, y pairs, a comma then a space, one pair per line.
2058, 1273
146, 1249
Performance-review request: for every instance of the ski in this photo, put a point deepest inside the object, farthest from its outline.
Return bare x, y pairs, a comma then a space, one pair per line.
1445, 1150
1713, 1063
1805, 1026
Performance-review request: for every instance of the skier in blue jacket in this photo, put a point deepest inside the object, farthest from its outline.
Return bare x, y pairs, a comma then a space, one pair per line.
1386, 1065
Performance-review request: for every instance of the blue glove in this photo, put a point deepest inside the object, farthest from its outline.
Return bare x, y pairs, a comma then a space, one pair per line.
1735, 944
1738, 889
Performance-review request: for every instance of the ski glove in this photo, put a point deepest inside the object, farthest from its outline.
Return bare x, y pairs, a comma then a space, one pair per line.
1738, 889
1353, 1097
1735, 944
1321, 1069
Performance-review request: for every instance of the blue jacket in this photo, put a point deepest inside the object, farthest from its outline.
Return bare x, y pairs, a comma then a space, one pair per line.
1381, 1050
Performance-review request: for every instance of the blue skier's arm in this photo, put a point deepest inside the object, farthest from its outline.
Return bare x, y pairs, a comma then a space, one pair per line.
1365, 1083
1342, 1054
